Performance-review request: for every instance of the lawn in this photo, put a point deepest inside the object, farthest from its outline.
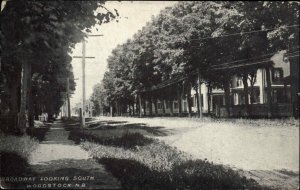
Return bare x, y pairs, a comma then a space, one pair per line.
140, 161
259, 144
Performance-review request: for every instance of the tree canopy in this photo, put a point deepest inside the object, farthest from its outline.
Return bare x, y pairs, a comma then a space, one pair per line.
38, 36
200, 35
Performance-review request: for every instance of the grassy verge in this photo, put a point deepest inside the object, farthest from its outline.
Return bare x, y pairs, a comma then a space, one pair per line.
141, 162
127, 141
159, 166
196, 174
15, 152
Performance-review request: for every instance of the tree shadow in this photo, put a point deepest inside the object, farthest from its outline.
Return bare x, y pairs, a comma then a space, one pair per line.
65, 171
196, 174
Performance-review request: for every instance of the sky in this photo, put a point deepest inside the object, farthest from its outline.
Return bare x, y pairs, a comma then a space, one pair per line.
134, 15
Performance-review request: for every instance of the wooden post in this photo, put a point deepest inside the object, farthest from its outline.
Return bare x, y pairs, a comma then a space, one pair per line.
269, 92
199, 94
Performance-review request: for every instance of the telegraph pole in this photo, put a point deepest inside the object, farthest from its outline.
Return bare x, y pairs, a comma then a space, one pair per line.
83, 84
83, 57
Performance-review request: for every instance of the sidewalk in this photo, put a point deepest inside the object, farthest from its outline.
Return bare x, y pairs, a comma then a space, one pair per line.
59, 163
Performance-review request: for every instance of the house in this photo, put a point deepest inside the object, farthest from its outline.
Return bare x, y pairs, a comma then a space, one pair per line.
213, 100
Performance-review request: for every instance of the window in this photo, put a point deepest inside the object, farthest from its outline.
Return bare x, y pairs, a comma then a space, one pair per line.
277, 74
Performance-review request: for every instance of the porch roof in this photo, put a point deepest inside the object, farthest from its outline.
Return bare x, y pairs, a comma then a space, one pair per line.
255, 63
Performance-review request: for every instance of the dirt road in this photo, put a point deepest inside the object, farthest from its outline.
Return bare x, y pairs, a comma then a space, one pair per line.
266, 153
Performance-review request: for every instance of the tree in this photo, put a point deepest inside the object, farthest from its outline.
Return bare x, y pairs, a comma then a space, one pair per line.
41, 36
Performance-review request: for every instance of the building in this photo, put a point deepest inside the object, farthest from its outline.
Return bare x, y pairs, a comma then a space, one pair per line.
213, 99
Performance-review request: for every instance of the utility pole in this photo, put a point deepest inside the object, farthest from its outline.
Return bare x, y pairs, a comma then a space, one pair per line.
83, 57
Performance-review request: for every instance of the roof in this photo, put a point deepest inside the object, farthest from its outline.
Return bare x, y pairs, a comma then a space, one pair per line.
256, 62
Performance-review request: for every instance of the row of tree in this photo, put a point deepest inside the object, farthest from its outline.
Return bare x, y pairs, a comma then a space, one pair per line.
194, 36
36, 40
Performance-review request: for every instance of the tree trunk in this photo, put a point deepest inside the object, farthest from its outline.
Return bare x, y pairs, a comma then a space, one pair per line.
130, 110
111, 110
133, 109
68, 97
171, 107
246, 93
150, 106
226, 86
140, 105
189, 103
179, 100
155, 106
24, 93
163, 107
197, 99
144, 107
209, 96
14, 95
269, 92
199, 95
295, 87
30, 101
